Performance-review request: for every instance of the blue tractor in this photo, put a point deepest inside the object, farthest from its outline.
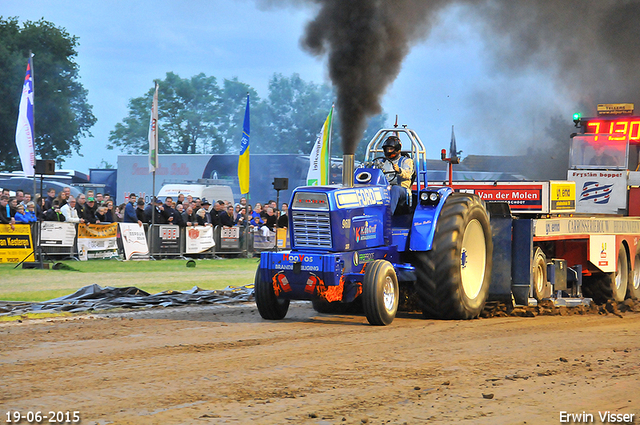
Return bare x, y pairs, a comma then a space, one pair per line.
348, 248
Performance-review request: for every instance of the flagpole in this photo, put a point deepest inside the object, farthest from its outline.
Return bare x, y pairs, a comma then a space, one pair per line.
33, 89
153, 162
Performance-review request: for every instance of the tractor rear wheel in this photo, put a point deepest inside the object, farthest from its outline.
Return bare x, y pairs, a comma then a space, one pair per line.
453, 278
380, 293
270, 307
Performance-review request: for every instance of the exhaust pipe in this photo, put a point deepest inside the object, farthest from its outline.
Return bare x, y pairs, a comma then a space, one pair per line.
348, 166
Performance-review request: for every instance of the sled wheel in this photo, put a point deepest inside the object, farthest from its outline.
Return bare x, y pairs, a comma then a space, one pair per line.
633, 288
620, 279
539, 274
380, 293
453, 278
270, 307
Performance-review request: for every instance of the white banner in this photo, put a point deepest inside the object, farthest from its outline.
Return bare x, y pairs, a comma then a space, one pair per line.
599, 191
199, 239
54, 233
24, 127
134, 241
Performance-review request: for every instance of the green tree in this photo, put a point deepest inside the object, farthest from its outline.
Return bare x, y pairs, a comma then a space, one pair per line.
61, 112
231, 115
187, 111
295, 113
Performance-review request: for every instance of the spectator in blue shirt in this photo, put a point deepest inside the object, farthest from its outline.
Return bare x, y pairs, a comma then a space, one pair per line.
20, 216
130, 210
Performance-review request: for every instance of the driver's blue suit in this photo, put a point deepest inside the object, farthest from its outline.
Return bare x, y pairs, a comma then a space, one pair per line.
400, 182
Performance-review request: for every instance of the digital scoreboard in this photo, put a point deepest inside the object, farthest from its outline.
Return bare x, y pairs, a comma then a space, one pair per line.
619, 127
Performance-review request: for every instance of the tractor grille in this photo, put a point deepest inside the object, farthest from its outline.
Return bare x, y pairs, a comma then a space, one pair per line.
311, 229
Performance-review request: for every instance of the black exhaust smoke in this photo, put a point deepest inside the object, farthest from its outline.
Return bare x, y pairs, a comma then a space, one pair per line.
366, 41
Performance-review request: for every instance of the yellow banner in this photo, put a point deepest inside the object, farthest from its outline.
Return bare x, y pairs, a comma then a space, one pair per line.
563, 195
15, 244
98, 231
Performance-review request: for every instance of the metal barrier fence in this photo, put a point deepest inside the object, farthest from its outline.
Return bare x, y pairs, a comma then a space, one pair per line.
55, 241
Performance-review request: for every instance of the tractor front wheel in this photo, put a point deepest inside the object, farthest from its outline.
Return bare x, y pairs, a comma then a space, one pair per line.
270, 307
380, 293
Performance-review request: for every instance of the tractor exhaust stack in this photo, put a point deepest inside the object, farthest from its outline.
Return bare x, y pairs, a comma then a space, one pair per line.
348, 165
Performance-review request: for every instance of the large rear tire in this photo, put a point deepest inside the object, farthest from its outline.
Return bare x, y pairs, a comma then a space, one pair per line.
633, 289
270, 307
380, 293
609, 286
621, 277
453, 278
539, 275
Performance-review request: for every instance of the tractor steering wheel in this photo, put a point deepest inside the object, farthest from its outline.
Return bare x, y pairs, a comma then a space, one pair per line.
379, 162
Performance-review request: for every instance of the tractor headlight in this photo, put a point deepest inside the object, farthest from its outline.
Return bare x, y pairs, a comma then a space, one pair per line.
429, 198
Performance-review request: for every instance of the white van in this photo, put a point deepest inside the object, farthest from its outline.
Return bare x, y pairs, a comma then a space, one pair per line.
211, 192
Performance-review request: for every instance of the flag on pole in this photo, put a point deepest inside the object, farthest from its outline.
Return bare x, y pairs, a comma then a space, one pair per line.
319, 159
153, 134
243, 160
24, 128
453, 150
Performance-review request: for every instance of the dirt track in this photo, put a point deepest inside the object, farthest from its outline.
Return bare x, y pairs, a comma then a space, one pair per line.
223, 364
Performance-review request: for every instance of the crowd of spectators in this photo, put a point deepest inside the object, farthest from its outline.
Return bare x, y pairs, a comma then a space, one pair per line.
188, 211
98, 208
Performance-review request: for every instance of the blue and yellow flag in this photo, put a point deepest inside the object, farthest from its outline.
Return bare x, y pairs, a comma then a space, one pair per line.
243, 160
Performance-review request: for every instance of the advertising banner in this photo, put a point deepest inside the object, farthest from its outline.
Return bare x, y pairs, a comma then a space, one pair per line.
15, 244
98, 240
134, 241
229, 237
199, 239
58, 234
530, 197
603, 192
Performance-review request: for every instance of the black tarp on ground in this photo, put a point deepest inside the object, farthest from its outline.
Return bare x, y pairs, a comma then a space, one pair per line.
95, 297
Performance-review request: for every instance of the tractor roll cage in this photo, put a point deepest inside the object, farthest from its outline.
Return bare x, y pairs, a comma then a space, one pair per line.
418, 152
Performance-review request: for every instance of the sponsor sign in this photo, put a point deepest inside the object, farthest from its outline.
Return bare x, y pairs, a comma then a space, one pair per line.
98, 240
311, 263
603, 192
522, 197
15, 244
199, 239
58, 234
230, 237
134, 241
602, 252
585, 226
169, 236
366, 231
563, 196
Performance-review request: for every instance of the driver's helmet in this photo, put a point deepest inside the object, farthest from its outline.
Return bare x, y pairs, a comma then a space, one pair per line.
392, 147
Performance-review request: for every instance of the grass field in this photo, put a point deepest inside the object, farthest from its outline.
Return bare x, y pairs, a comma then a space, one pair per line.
151, 276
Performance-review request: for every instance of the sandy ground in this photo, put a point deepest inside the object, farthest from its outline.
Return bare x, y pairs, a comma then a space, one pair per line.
225, 365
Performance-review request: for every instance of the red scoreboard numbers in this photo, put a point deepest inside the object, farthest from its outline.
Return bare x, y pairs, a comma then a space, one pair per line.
619, 128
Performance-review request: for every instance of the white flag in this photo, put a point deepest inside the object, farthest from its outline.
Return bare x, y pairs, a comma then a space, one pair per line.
24, 128
153, 134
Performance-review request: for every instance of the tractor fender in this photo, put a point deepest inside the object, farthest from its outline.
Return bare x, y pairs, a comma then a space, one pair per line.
425, 219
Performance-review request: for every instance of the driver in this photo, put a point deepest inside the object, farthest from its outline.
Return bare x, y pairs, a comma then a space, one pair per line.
398, 169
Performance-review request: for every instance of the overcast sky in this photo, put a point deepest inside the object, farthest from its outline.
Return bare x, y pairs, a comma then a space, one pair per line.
445, 80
